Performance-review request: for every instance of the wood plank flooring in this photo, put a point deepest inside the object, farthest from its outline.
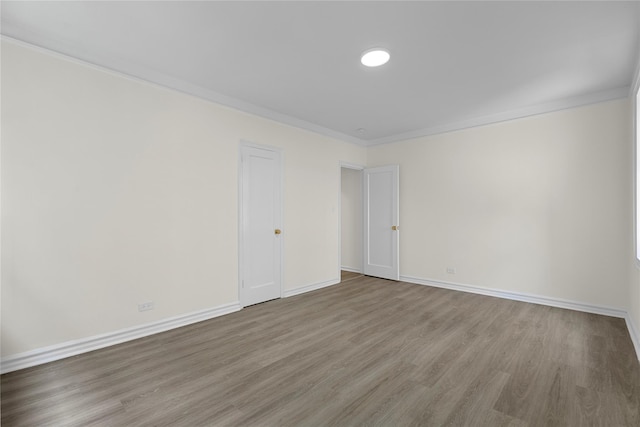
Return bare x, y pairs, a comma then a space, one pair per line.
348, 275
364, 352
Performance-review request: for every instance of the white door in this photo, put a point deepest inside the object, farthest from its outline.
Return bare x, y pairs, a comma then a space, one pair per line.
260, 225
381, 228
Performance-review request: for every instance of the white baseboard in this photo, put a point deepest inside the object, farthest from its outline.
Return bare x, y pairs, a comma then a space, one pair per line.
518, 296
309, 288
71, 348
84, 345
351, 269
537, 299
633, 332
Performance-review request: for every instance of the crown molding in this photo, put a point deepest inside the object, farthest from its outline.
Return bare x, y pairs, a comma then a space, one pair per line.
148, 76
154, 78
533, 110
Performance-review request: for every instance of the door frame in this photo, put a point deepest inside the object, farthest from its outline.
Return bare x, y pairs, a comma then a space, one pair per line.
360, 168
244, 143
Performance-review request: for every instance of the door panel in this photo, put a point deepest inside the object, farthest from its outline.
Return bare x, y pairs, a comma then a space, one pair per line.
260, 218
381, 216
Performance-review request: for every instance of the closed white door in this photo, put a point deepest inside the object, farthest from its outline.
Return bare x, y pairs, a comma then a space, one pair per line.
260, 227
381, 228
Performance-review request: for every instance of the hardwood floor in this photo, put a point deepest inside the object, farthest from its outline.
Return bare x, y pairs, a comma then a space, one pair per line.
348, 275
365, 352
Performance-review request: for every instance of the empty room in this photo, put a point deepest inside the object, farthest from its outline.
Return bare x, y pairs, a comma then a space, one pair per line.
310, 213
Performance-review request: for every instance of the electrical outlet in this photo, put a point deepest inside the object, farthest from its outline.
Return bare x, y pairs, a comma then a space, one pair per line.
451, 270
144, 306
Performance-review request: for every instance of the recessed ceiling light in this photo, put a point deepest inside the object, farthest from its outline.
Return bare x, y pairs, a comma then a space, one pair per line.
375, 57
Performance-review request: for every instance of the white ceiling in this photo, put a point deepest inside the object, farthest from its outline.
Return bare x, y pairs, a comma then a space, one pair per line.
453, 64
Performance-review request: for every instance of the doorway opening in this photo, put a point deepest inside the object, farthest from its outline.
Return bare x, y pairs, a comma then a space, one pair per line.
351, 224
369, 221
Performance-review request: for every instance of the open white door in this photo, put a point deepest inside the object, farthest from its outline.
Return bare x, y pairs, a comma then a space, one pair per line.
260, 223
381, 228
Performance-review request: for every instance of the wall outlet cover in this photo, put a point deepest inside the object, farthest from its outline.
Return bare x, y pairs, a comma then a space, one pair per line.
145, 306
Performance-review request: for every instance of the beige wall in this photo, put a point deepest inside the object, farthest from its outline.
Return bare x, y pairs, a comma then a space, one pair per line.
116, 192
351, 228
538, 205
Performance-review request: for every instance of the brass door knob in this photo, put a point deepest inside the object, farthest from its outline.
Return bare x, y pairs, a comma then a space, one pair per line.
395, 227
278, 231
